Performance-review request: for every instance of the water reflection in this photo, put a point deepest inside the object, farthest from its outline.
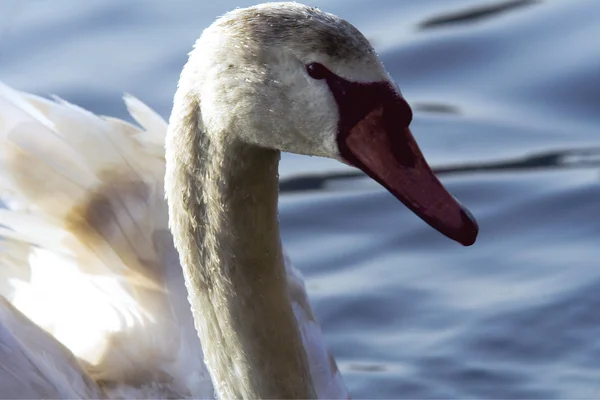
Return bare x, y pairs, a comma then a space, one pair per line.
551, 159
476, 13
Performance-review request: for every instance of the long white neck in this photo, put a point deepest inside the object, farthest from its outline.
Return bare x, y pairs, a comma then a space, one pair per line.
222, 196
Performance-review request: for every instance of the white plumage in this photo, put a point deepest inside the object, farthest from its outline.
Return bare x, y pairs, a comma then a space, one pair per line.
93, 296
95, 300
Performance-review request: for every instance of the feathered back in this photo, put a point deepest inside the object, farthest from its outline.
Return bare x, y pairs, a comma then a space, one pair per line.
86, 254
85, 250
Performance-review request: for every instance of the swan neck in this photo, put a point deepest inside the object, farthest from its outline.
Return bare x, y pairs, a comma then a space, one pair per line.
222, 196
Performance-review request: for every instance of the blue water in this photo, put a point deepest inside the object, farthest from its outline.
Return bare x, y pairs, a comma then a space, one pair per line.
507, 109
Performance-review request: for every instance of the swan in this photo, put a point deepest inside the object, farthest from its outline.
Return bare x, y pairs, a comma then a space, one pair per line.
147, 262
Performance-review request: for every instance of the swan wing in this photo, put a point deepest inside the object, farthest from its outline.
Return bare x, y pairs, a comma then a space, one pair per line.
35, 365
85, 251
325, 374
86, 254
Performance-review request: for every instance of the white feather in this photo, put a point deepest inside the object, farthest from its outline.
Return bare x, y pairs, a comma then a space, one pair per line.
86, 256
95, 266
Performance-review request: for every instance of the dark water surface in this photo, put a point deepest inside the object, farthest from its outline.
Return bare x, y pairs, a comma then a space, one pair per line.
507, 101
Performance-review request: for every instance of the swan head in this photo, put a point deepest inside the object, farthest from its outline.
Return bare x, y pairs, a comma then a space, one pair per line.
290, 77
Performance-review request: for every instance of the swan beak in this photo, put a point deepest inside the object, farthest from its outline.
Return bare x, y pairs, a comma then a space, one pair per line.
383, 147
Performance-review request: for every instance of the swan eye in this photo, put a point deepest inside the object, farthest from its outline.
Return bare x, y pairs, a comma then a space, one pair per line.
317, 71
